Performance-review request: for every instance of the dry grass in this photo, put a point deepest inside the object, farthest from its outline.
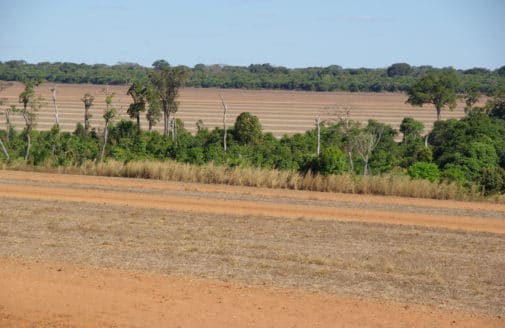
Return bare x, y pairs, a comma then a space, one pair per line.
445, 268
388, 185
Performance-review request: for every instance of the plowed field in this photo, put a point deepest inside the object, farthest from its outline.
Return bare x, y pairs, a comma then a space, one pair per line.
280, 112
95, 252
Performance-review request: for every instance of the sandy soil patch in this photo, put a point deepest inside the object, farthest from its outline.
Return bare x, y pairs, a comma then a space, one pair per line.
56, 295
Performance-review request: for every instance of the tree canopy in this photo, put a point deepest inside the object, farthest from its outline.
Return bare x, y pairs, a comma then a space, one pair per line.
437, 88
397, 77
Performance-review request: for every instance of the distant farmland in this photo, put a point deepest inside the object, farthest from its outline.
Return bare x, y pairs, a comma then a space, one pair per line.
280, 112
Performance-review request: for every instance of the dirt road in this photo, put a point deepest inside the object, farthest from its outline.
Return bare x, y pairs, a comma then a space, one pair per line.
215, 199
112, 252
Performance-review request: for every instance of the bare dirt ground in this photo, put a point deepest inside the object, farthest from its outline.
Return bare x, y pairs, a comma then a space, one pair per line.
280, 112
115, 298
93, 251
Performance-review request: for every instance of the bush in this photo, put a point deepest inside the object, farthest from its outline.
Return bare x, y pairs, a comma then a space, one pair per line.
423, 170
491, 180
454, 173
332, 161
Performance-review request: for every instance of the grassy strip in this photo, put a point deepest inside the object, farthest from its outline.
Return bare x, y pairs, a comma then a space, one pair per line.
388, 185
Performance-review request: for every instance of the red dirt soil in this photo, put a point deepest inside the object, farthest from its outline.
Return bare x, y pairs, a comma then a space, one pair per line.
196, 204
61, 295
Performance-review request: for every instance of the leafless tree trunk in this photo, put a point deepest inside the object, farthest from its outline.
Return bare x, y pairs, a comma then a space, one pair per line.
8, 125
166, 117
105, 139
344, 117
28, 132
8, 112
365, 143
108, 115
173, 130
56, 113
225, 107
30, 119
318, 128
4, 149
87, 99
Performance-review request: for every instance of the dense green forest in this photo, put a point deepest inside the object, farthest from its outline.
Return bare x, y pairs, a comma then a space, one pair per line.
397, 77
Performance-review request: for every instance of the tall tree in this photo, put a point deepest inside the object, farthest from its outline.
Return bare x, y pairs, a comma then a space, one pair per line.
153, 113
87, 99
4, 85
437, 88
411, 129
56, 113
167, 81
399, 69
138, 92
472, 95
31, 104
8, 112
248, 129
108, 115
344, 116
365, 143
225, 111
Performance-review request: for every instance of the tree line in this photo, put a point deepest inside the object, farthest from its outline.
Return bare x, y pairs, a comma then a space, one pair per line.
469, 151
397, 77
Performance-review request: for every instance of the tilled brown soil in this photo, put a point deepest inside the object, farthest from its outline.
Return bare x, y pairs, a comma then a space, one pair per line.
280, 112
94, 251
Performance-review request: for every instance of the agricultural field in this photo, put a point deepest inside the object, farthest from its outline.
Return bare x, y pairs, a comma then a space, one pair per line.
96, 251
280, 112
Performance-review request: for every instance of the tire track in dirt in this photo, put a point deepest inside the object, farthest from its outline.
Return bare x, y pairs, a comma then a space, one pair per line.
89, 180
196, 204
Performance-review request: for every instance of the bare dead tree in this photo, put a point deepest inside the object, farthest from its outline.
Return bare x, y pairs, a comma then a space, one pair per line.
87, 99
108, 116
318, 128
30, 117
56, 113
344, 117
225, 110
3, 86
8, 111
4, 149
31, 104
365, 143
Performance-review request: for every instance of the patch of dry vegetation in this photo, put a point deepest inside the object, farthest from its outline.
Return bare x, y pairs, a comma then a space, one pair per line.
446, 268
387, 185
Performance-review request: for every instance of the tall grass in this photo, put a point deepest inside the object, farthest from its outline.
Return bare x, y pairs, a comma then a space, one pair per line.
392, 184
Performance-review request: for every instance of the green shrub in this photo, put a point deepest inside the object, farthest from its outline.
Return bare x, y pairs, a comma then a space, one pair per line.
332, 161
491, 180
423, 170
453, 173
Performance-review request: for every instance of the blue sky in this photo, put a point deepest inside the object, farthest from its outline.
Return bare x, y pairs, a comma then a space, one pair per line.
366, 33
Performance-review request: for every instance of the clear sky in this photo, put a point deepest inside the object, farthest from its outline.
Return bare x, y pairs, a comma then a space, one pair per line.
349, 33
